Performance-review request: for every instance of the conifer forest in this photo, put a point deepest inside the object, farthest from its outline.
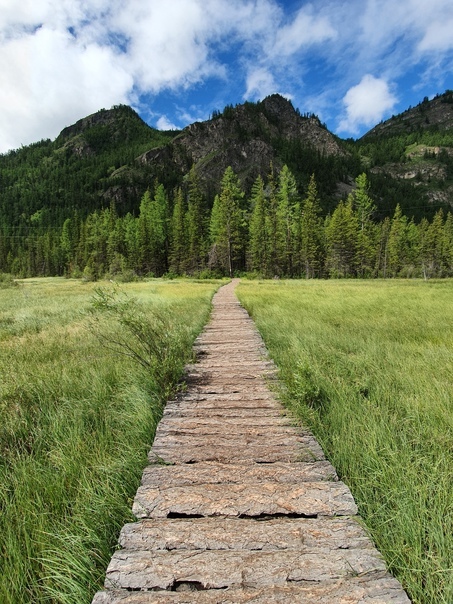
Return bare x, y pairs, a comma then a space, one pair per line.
276, 231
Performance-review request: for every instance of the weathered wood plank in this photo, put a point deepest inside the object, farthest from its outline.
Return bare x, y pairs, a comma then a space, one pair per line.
216, 422
351, 590
231, 454
301, 534
235, 438
246, 499
238, 413
217, 473
214, 569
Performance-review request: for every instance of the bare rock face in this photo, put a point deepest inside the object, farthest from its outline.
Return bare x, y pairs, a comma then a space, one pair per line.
238, 504
243, 138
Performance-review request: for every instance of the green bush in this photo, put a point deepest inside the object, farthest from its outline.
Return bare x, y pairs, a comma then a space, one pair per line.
6, 281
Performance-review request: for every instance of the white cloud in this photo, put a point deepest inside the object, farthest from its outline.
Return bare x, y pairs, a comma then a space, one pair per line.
163, 123
305, 30
438, 37
48, 81
260, 83
62, 60
366, 103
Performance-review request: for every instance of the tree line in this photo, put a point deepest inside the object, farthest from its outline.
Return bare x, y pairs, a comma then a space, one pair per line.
275, 231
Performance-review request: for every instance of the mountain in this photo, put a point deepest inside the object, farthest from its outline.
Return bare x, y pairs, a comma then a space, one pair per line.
415, 149
434, 116
114, 156
248, 138
111, 195
81, 171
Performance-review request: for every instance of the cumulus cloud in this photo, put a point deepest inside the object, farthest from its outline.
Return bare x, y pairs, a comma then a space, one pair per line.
163, 123
367, 103
260, 83
62, 60
48, 81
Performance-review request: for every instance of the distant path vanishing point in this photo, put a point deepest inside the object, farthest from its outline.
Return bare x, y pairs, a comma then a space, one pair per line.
237, 504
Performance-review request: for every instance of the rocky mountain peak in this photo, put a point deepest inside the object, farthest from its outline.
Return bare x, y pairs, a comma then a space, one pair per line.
247, 138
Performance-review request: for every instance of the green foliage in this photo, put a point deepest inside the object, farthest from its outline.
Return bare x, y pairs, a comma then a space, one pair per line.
7, 281
121, 324
276, 231
228, 235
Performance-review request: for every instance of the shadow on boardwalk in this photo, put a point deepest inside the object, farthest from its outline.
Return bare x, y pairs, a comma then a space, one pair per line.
245, 507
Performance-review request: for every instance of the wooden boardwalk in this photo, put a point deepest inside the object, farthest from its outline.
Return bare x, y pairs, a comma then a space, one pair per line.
237, 504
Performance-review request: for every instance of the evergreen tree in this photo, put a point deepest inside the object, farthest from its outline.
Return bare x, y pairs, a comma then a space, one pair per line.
366, 236
115, 237
397, 243
258, 252
448, 244
153, 232
196, 225
66, 245
178, 238
382, 248
310, 233
227, 225
431, 246
287, 199
341, 241
131, 242
274, 230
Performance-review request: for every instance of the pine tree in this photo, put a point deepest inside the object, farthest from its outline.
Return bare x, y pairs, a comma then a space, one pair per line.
397, 243
152, 232
258, 252
366, 236
310, 233
196, 225
431, 246
341, 240
382, 248
178, 236
287, 199
131, 242
274, 229
66, 244
448, 244
227, 225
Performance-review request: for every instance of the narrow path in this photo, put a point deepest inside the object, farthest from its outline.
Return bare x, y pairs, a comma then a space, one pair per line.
237, 505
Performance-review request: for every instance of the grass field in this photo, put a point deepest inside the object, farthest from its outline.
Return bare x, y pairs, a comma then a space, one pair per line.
76, 422
369, 366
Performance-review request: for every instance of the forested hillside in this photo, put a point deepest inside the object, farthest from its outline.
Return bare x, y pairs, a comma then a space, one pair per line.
259, 187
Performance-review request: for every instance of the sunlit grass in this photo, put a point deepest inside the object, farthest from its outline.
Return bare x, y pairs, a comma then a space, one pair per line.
76, 422
369, 366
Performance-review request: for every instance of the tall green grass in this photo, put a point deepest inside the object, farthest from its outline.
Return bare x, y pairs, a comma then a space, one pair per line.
369, 367
76, 422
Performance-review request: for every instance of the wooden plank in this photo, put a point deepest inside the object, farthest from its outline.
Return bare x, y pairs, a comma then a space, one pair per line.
301, 534
349, 590
246, 499
223, 569
235, 453
212, 472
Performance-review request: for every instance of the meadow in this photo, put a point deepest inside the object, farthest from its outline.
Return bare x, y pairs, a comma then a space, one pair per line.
77, 420
369, 367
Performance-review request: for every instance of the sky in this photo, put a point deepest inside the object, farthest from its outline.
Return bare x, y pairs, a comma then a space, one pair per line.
353, 63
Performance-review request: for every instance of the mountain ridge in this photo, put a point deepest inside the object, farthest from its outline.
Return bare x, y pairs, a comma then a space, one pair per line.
114, 156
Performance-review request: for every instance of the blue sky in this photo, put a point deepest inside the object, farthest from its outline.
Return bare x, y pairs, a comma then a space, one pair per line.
352, 63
